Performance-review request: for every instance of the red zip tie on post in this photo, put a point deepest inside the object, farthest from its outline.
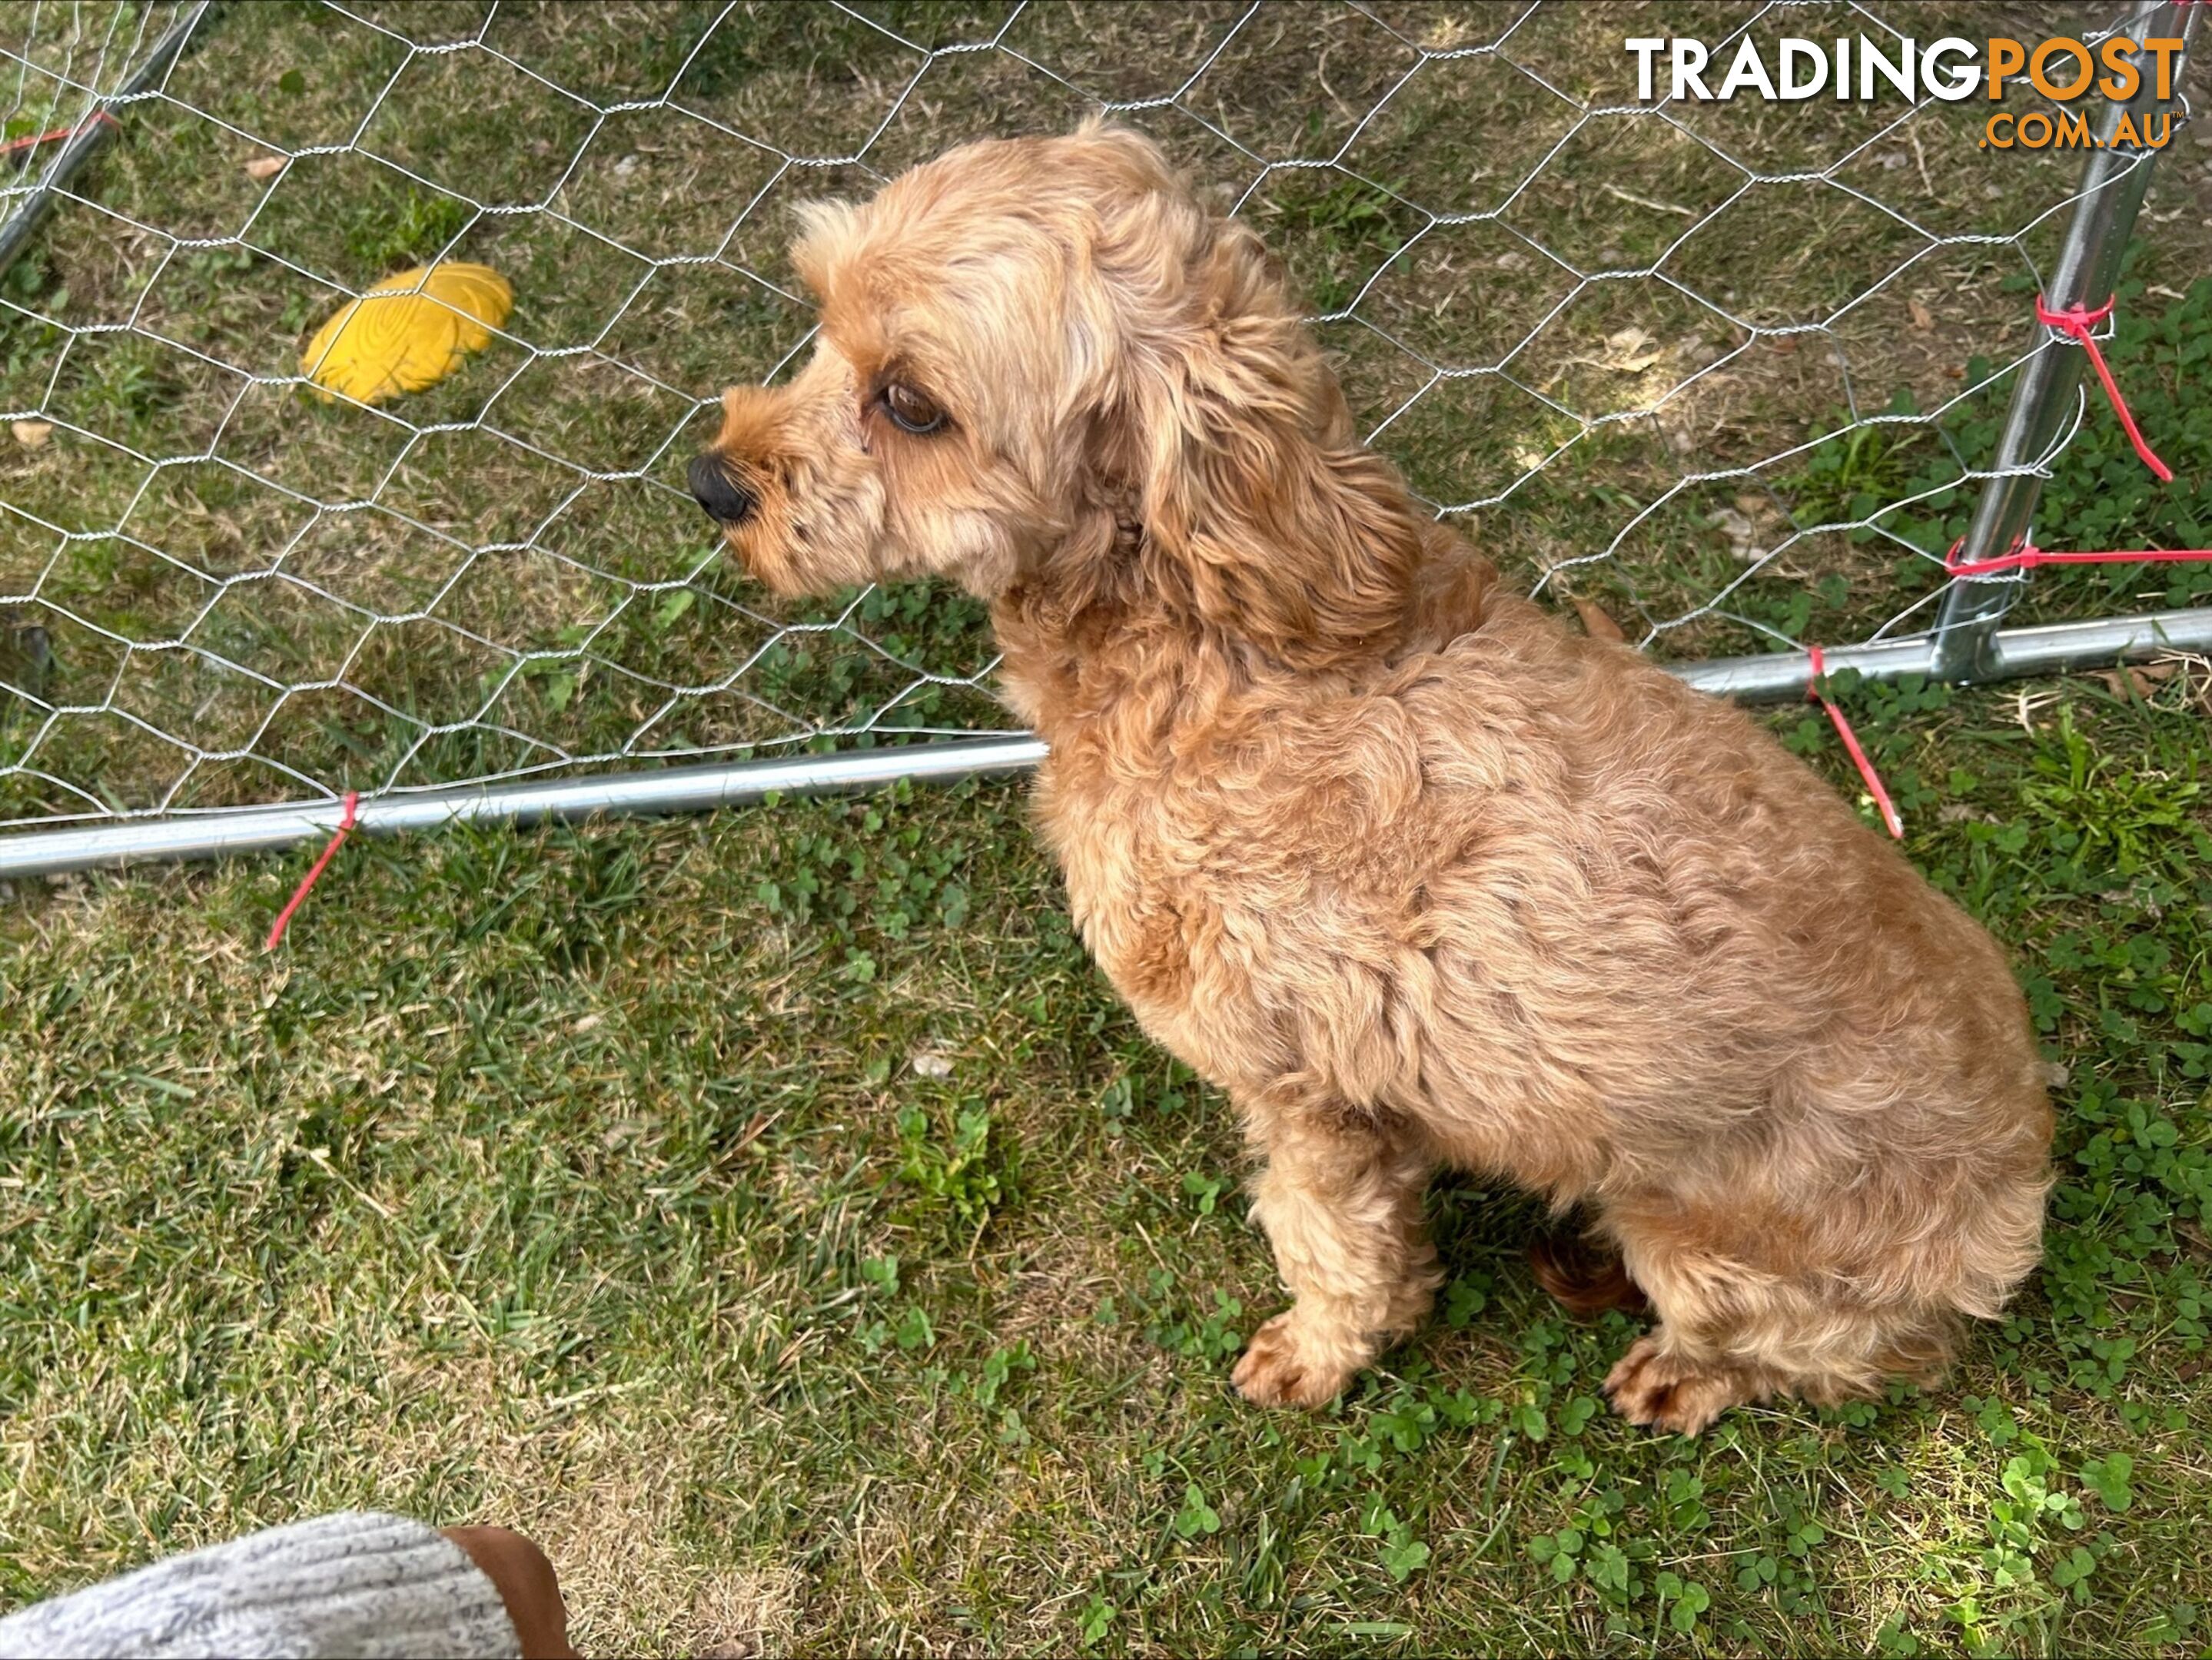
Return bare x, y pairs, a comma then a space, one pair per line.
314, 872
2076, 322
16, 146
2025, 557
1814, 688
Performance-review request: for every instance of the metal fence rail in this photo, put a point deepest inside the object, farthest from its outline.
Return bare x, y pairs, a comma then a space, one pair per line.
217, 683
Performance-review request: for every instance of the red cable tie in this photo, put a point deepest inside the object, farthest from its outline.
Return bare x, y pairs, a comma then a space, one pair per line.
33, 140
1814, 688
2076, 322
2027, 558
315, 873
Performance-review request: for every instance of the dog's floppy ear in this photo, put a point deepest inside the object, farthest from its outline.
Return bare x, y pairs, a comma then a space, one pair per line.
1256, 505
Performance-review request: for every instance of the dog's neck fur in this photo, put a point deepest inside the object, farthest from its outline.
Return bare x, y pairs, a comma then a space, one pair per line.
1100, 640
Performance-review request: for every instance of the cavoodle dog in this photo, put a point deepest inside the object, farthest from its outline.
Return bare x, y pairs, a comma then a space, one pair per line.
1412, 872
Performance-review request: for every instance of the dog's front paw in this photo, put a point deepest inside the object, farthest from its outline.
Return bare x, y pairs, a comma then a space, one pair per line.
1651, 1387
1284, 1365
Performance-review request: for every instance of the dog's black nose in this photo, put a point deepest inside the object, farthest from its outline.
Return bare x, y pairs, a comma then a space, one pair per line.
726, 500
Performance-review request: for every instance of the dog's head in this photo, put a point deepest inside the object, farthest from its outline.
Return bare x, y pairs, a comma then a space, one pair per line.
1043, 360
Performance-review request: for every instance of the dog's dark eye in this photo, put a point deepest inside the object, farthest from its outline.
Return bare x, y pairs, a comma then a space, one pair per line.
914, 411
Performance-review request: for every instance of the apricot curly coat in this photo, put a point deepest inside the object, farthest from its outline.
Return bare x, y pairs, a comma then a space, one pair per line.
1414, 873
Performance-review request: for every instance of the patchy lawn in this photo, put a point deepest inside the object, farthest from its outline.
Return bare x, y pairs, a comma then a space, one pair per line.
775, 1214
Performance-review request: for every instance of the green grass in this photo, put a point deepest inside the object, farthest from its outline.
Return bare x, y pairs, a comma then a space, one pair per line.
587, 1181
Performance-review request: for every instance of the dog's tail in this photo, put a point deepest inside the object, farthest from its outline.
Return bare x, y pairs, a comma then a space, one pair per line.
1584, 1278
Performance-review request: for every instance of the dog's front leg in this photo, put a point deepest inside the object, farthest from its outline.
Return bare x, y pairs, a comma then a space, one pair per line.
1341, 1204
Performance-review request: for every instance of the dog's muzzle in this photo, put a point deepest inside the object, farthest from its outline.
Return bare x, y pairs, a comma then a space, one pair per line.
726, 500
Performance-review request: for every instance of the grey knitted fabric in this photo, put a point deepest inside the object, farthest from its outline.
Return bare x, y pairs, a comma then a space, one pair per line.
353, 1584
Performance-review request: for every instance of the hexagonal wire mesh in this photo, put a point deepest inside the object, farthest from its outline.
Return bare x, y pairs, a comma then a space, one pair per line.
1727, 374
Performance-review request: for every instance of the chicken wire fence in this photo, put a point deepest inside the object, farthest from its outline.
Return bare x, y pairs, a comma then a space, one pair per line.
1720, 376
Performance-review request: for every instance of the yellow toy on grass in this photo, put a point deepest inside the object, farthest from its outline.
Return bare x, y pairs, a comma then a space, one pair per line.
408, 332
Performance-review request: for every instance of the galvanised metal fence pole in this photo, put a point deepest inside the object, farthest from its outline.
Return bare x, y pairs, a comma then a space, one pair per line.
659, 791
2045, 397
1768, 677
92, 133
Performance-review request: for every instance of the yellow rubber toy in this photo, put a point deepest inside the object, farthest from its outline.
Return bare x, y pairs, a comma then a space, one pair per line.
408, 332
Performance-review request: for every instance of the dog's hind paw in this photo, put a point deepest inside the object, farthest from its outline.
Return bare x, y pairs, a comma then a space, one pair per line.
1284, 1366
1651, 1387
